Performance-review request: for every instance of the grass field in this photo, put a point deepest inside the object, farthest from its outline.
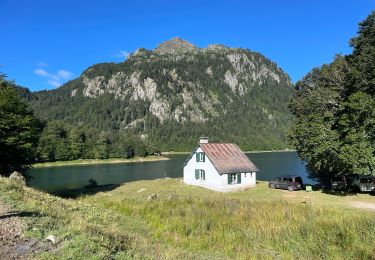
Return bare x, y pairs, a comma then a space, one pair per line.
186, 222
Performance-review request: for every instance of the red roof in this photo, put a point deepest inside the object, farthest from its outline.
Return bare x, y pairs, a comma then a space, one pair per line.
228, 158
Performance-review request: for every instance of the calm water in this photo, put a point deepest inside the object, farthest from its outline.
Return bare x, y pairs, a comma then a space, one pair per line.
54, 179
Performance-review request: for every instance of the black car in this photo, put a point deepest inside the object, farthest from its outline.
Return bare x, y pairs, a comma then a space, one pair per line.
287, 182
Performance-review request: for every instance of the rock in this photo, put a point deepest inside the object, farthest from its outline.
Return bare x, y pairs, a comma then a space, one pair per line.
141, 190
175, 45
51, 238
152, 197
18, 178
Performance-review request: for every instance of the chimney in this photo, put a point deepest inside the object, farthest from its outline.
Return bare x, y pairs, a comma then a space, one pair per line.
203, 140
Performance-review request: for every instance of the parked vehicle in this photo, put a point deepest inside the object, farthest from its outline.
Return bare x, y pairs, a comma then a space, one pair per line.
287, 182
339, 182
353, 182
363, 183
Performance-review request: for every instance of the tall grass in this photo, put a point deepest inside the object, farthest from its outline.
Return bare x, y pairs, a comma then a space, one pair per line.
246, 229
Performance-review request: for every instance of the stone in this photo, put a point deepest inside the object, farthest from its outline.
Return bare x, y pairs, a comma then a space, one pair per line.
18, 178
51, 238
152, 197
141, 190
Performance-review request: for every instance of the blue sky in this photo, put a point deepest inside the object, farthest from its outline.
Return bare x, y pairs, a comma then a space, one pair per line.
45, 43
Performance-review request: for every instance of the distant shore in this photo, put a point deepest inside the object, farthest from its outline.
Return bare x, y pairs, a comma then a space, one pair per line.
172, 153
271, 151
149, 158
260, 151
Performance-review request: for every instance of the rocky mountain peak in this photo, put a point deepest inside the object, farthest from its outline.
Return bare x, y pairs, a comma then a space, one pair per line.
175, 45
217, 47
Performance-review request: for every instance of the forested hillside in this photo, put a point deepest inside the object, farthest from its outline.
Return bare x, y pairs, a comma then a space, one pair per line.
164, 99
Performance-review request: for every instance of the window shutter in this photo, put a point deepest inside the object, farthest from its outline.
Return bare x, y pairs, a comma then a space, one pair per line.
196, 174
204, 157
229, 179
203, 174
197, 156
239, 178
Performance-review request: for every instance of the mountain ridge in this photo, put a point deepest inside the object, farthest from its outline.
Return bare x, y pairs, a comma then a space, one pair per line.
167, 98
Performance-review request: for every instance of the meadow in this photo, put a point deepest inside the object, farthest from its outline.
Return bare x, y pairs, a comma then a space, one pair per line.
188, 222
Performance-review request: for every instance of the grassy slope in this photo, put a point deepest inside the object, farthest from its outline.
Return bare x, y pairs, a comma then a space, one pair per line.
191, 222
100, 161
83, 230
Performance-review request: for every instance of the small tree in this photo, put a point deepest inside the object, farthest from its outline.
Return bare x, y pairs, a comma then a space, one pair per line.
19, 131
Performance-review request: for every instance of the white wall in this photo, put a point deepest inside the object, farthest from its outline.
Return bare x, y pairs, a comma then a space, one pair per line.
213, 179
248, 180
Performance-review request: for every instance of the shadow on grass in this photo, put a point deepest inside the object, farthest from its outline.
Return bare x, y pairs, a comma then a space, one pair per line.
325, 189
342, 193
87, 190
347, 192
19, 214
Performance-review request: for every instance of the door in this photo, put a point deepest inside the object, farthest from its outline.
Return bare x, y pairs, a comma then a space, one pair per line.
283, 183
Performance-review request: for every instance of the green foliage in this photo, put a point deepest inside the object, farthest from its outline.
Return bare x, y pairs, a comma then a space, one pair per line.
19, 131
335, 111
61, 141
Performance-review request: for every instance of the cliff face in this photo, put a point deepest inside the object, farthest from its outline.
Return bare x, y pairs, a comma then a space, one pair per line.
177, 82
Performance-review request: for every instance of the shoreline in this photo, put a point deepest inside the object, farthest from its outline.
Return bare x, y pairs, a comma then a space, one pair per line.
272, 151
173, 153
254, 151
137, 159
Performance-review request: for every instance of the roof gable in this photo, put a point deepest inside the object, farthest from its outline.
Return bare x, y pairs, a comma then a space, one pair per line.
228, 158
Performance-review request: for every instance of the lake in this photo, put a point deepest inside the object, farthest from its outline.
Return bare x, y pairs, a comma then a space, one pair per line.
57, 179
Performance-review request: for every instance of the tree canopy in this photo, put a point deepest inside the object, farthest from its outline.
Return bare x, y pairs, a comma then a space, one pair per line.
19, 131
334, 106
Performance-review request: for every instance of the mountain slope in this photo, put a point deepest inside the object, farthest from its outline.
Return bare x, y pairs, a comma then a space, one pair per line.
170, 96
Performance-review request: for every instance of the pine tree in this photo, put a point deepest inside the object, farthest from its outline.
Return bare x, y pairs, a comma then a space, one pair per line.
19, 131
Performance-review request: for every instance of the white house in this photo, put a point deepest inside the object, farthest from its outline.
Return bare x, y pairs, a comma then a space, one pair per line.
220, 167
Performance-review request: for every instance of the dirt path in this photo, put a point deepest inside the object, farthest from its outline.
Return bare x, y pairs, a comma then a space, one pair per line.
12, 244
363, 205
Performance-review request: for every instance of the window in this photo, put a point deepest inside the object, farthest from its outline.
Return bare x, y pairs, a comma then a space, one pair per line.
200, 157
200, 174
299, 180
365, 180
234, 178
